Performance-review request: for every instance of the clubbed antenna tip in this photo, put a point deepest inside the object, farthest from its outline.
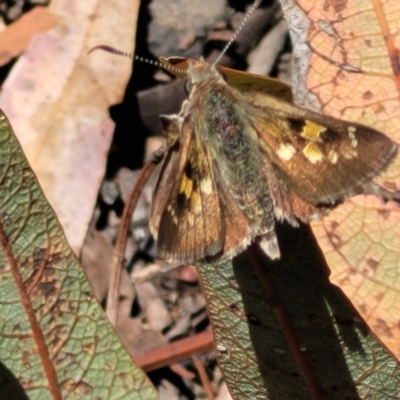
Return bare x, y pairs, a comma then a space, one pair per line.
110, 49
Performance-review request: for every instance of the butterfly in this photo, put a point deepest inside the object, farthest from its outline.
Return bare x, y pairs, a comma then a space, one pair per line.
239, 159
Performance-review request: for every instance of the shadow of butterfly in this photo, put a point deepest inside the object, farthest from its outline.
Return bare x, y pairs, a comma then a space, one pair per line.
239, 158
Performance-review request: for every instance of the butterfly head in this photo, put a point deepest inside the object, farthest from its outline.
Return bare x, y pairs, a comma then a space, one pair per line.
201, 71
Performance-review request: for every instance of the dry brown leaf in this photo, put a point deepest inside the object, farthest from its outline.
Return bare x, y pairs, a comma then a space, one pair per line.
57, 98
352, 72
15, 38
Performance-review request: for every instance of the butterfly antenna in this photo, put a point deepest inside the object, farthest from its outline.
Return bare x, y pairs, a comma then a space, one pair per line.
236, 33
113, 50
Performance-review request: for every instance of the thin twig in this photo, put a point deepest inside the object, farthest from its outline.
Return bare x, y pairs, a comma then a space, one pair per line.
122, 236
204, 378
175, 352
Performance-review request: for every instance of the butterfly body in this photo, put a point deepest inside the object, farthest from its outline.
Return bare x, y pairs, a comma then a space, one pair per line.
238, 160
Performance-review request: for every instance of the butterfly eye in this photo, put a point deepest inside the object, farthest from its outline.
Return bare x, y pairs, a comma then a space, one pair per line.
188, 86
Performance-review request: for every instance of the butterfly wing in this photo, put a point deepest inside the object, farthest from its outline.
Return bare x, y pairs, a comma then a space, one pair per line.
323, 160
186, 214
165, 182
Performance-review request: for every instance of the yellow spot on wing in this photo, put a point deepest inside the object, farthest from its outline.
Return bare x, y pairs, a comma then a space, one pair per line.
312, 131
186, 186
196, 202
313, 153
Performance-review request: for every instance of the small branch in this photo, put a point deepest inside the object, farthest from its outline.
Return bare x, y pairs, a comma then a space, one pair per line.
122, 236
175, 352
204, 378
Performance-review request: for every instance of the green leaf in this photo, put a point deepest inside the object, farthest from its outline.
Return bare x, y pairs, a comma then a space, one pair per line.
55, 342
283, 331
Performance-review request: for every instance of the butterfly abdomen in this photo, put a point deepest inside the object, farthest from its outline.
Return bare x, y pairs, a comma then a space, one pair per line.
235, 155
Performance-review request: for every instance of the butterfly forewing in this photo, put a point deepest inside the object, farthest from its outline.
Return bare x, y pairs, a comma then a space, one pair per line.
166, 177
322, 159
187, 220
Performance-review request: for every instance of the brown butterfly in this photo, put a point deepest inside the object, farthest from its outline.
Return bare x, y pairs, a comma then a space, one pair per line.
239, 159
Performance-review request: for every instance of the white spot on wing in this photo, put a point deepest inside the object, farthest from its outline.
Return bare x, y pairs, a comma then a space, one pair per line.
206, 186
286, 151
173, 215
333, 156
354, 141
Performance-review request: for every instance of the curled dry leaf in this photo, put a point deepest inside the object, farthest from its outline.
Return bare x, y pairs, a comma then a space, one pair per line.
57, 99
15, 38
